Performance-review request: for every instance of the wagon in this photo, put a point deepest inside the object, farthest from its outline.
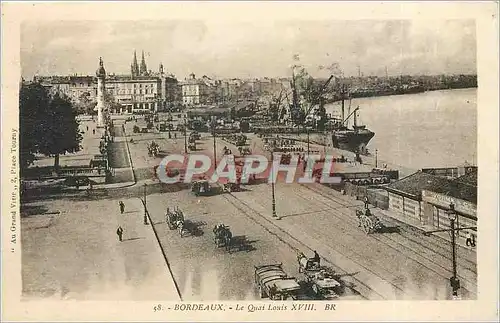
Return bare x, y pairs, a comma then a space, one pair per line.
244, 150
173, 218
272, 281
368, 222
231, 187
323, 284
222, 236
200, 187
320, 280
307, 264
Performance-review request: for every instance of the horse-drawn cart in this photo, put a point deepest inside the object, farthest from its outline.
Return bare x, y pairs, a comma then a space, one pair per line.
273, 282
320, 280
369, 222
153, 149
200, 187
231, 187
222, 236
174, 218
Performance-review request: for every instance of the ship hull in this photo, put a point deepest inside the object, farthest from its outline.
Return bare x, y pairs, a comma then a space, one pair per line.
355, 141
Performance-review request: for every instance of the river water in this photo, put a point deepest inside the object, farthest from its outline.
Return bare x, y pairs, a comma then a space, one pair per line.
431, 129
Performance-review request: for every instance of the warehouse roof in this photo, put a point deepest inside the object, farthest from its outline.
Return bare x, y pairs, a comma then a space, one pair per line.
461, 188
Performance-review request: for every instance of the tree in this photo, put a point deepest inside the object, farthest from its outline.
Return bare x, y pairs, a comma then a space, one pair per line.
85, 104
60, 129
322, 117
33, 102
110, 103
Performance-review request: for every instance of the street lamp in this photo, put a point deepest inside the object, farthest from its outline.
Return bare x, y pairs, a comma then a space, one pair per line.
272, 186
145, 205
308, 129
376, 158
215, 151
185, 136
454, 282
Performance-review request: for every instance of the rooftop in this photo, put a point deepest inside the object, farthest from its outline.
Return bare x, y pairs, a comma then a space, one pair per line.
464, 187
470, 177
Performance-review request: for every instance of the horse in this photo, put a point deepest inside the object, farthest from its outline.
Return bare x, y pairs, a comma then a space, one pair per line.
302, 260
179, 215
181, 227
227, 237
217, 230
222, 236
306, 263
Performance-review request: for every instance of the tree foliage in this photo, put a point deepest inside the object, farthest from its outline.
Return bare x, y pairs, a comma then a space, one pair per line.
48, 124
33, 102
85, 104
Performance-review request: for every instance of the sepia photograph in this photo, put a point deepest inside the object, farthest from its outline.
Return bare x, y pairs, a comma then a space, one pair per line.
266, 163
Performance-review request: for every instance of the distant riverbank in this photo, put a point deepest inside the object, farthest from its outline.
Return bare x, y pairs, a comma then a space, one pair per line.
389, 92
430, 129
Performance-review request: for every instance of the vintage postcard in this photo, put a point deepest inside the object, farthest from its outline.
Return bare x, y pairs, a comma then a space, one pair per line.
250, 161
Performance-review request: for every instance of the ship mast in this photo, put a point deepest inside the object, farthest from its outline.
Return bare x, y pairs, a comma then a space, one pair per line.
343, 104
295, 104
355, 127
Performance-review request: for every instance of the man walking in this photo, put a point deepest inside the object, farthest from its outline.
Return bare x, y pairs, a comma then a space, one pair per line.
366, 202
122, 207
470, 240
119, 232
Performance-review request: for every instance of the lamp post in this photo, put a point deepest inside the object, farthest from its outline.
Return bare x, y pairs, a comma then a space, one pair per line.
272, 186
215, 151
452, 216
307, 128
376, 158
185, 136
454, 282
145, 205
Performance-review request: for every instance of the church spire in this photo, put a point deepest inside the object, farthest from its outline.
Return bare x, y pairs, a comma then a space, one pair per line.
134, 67
144, 69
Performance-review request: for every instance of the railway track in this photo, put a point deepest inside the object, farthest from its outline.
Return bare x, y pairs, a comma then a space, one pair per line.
412, 248
439, 245
297, 245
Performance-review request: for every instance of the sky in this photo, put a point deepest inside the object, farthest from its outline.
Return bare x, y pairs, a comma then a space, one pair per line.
224, 49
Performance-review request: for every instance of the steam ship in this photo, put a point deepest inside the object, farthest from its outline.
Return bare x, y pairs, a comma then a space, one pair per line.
355, 138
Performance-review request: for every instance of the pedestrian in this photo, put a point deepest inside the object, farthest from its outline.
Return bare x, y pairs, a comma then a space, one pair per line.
469, 239
119, 232
93, 131
122, 207
87, 128
366, 202
316, 258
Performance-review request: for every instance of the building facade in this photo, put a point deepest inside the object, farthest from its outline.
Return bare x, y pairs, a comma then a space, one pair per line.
140, 92
194, 91
426, 196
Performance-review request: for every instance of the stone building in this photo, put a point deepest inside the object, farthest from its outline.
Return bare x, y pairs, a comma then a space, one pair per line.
139, 92
194, 91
